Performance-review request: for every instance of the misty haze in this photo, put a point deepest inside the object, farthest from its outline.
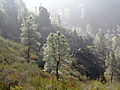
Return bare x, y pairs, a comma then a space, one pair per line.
59, 45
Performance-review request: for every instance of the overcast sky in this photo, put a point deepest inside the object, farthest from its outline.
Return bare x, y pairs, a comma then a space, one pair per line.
32, 3
51, 4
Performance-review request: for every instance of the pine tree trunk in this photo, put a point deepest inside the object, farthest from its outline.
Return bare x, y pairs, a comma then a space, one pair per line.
111, 77
28, 54
8, 87
57, 75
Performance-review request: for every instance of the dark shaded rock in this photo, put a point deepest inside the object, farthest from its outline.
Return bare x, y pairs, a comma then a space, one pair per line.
41, 63
87, 64
44, 24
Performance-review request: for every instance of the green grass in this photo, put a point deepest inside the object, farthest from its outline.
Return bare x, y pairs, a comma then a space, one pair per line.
11, 51
40, 83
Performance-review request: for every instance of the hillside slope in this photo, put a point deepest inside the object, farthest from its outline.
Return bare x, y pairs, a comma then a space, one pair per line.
17, 74
10, 51
14, 69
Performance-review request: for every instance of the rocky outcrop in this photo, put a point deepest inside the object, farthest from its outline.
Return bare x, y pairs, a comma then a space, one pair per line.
44, 24
87, 64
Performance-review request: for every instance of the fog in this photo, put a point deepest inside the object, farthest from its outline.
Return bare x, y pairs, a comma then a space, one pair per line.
82, 12
59, 44
59, 4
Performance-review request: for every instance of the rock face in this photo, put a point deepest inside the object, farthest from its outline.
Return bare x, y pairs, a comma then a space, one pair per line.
87, 64
44, 24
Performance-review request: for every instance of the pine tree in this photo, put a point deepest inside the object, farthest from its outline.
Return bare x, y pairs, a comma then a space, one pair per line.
100, 42
88, 36
116, 44
111, 64
29, 35
55, 50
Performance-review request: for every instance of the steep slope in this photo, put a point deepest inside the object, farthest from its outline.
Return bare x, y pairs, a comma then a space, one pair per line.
10, 51
14, 69
16, 74
12, 63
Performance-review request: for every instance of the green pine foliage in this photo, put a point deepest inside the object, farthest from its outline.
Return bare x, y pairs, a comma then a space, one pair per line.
55, 46
29, 35
116, 45
100, 41
111, 64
